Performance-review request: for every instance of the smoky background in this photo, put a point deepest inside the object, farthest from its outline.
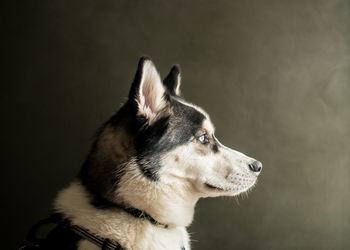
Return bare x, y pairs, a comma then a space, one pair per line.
273, 75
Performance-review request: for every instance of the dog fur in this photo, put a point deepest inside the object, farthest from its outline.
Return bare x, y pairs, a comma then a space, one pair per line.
158, 154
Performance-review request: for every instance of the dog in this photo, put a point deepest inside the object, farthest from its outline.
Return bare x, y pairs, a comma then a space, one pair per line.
148, 166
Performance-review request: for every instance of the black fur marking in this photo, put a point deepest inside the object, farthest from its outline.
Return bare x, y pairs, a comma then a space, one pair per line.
146, 143
166, 134
215, 148
171, 82
149, 143
216, 145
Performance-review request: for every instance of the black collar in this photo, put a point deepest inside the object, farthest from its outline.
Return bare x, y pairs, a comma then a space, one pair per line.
142, 214
103, 203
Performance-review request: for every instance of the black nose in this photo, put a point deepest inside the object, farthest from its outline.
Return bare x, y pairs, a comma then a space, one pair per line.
255, 166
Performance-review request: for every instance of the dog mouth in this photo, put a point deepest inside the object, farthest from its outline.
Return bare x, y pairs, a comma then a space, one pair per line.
212, 187
235, 189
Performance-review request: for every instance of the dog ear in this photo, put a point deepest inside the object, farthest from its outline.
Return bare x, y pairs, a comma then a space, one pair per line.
147, 91
173, 80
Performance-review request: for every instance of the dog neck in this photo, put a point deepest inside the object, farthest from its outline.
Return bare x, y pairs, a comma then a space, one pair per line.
164, 204
172, 203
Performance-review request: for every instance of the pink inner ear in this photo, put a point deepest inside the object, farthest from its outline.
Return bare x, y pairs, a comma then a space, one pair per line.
152, 89
148, 93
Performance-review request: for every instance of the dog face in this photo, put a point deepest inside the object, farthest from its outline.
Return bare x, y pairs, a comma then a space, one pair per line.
166, 140
211, 168
187, 150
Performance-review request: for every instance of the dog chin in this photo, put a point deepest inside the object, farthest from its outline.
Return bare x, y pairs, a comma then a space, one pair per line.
212, 190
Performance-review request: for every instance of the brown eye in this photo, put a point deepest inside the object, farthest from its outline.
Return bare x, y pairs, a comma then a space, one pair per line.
203, 139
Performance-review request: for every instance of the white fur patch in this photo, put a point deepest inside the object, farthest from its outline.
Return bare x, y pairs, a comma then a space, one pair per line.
130, 232
167, 203
198, 166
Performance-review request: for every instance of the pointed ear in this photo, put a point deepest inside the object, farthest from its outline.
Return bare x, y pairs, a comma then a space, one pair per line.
147, 91
173, 80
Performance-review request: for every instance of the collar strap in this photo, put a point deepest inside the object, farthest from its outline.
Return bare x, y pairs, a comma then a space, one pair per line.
63, 225
100, 202
104, 243
142, 214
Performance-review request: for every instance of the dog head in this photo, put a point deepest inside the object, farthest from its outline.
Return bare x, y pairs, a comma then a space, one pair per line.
157, 141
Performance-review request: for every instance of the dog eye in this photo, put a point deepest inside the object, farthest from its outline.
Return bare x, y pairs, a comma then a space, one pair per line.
203, 139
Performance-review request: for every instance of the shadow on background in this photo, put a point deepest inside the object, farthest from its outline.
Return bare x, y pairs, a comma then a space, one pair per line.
274, 75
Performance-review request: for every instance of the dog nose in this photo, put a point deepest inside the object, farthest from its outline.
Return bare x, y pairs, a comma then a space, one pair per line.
255, 166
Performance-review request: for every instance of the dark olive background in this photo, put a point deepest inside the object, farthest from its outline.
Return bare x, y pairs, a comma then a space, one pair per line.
273, 75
